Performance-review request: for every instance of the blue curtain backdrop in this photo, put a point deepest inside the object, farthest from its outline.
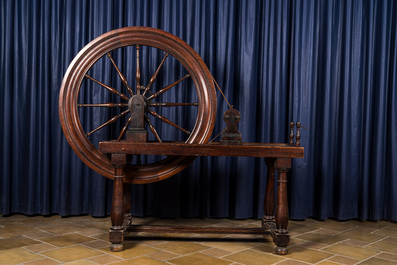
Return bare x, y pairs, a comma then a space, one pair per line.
330, 64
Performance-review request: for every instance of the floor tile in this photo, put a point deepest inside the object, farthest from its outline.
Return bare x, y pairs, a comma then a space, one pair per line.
15, 230
343, 260
377, 261
90, 231
40, 223
63, 228
391, 239
42, 262
151, 241
307, 255
266, 248
40, 247
299, 228
199, 259
382, 232
17, 255
97, 244
39, 235
324, 231
372, 224
131, 250
182, 248
357, 243
388, 256
216, 252
140, 261
16, 242
103, 236
163, 255
105, 259
335, 225
67, 240
291, 262
292, 242
351, 251
102, 226
254, 257
72, 253
312, 245
81, 262
232, 246
322, 239
362, 235
383, 246
327, 262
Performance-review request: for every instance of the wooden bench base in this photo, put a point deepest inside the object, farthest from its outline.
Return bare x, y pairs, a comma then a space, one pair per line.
275, 220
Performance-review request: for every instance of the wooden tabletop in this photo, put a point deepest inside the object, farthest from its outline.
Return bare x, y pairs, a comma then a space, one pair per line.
212, 149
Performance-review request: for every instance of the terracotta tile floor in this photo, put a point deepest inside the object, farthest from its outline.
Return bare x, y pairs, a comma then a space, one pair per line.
83, 240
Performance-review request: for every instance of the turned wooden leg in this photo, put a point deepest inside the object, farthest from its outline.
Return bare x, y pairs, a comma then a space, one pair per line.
281, 239
127, 204
116, 233
269, 201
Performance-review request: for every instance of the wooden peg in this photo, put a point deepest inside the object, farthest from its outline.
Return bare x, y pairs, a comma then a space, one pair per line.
298, 134
291, 134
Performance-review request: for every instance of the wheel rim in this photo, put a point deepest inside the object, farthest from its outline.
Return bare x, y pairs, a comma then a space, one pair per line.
101, 46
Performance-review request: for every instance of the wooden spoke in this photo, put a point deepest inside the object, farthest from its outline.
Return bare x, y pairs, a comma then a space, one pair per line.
153, 78
164, 119
152, 128
165, 89
111, 89
115, 118
106, 105
124, 130
138, 72
171, 104
122, 78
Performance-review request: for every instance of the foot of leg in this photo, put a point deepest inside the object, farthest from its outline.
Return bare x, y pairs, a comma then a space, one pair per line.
281, 250
116, 247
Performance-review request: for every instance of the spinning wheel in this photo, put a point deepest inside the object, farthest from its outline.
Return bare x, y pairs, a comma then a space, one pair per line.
130, 110
130, 96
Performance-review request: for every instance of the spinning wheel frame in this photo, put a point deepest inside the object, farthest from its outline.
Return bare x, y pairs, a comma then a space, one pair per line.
101, 46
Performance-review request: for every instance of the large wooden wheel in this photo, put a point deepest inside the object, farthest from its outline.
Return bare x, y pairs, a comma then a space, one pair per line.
102, 48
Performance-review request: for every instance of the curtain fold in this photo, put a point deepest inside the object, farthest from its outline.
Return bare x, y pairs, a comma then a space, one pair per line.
330, 64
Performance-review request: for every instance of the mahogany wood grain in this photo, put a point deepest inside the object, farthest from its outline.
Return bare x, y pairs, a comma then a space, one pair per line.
283, 165
269, 201
212, 149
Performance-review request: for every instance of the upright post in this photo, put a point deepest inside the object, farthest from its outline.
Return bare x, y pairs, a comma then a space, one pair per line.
281, 239
116, 233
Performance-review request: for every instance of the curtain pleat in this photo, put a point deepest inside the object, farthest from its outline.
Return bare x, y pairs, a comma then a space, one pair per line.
330, 64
